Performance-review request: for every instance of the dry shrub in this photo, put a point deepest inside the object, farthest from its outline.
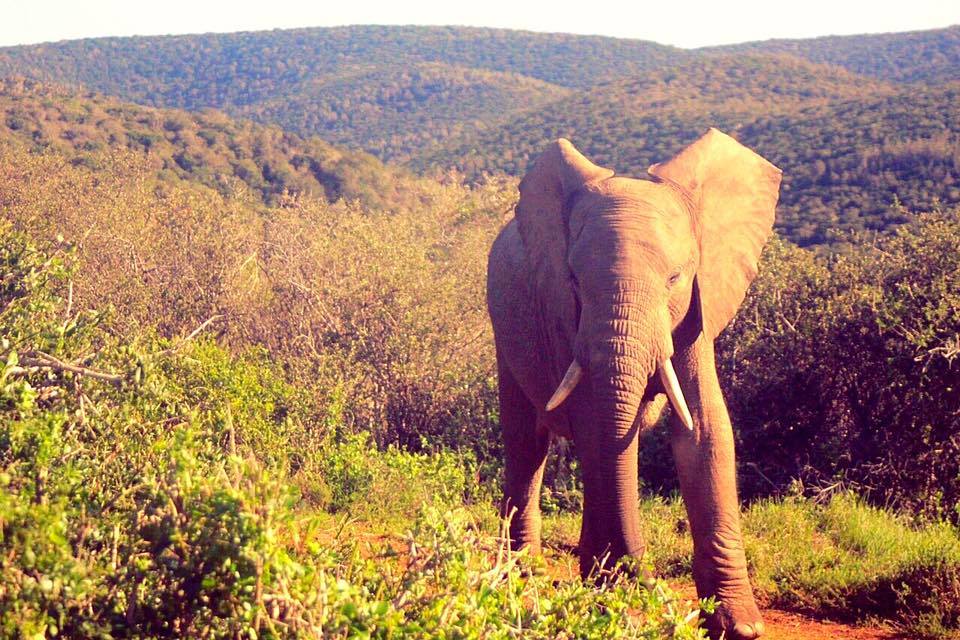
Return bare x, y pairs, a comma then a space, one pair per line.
381, 312
846, 370
388, 308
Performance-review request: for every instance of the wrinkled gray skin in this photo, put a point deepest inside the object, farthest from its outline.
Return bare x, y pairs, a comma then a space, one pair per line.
622, 274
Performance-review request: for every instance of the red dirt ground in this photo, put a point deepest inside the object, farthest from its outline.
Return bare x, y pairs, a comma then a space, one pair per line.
785, 625
789, 625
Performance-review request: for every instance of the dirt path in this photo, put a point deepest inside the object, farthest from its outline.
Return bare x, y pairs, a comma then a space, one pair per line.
785, 625
790, 625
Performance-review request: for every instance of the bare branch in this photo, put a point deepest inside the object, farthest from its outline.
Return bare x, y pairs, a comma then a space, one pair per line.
46, 361
203, 325
193, 334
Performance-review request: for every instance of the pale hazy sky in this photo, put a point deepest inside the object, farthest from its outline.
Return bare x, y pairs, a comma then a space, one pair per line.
685, 23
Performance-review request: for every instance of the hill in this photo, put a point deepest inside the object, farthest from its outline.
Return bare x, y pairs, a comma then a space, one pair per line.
488, 99
920, 56
395, 112
219, 70
376, 88
849, 146
609, 118
207, 147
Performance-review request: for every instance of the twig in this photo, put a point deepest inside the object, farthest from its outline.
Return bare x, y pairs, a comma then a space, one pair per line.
193, 334
756, 468
46, 361
66, 314
203, 325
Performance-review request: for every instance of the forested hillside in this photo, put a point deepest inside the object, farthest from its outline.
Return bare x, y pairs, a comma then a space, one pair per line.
833, 112
236, 69
848, 154
610, 120
207, 147
388, 90
399, 111
920, 56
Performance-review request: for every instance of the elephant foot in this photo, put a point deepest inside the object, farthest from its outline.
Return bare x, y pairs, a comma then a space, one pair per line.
735, 622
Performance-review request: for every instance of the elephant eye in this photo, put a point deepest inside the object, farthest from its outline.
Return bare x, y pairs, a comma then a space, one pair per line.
673, 279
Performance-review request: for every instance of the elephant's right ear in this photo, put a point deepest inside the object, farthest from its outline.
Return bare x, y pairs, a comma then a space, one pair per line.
544, 191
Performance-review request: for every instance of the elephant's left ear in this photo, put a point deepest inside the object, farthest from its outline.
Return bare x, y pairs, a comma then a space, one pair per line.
735, 191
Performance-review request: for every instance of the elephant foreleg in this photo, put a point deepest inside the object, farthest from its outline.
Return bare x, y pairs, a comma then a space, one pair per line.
525, 449
707, 471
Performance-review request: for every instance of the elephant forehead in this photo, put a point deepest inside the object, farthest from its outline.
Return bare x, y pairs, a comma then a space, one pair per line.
643, 197
630, 209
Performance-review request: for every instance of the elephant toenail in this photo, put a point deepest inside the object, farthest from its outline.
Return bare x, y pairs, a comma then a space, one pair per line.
744, 631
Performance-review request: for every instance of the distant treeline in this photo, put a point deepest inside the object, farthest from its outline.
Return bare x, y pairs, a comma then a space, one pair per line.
858, 123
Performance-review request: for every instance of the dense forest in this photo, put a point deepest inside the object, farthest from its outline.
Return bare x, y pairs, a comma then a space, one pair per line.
413, 106
243, 68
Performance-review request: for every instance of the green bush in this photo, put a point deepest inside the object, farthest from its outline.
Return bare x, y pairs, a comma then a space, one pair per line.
355, 477
846, 369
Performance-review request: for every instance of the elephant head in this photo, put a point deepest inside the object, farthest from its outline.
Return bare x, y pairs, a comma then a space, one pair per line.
606, 292
623, 267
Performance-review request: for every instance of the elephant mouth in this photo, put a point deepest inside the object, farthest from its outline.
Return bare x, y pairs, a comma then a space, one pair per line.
668, 376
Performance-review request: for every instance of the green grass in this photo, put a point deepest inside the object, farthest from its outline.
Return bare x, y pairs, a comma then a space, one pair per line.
852, 560
844, 559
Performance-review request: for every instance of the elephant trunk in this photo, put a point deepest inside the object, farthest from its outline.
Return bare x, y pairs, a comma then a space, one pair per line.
627, 344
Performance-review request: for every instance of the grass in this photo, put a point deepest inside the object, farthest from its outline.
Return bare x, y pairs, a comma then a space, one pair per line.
843, 558
853, 560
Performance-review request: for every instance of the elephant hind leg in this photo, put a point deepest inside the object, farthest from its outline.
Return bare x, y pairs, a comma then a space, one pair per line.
525, 449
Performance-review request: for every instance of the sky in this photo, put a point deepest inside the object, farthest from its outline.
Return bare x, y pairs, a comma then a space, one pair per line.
684, 23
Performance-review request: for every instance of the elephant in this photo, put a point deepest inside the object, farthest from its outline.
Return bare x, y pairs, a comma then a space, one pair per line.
598, 283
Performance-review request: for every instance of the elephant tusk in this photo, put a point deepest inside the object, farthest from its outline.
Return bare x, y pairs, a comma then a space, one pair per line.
669, 378
567, 385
